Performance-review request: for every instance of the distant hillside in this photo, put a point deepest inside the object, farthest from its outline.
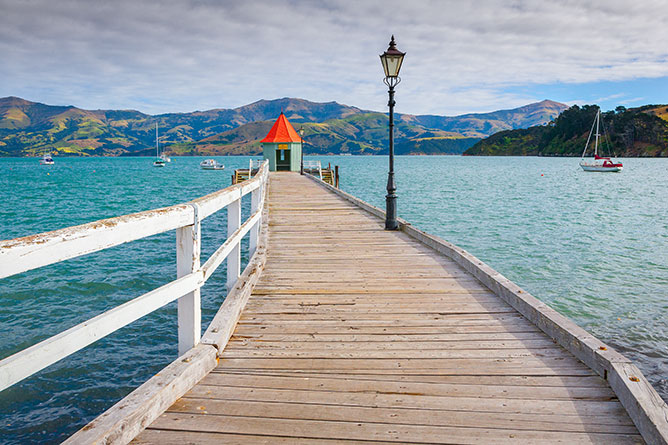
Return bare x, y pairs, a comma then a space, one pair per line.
486, 124
30, 128
364, 133
632, 132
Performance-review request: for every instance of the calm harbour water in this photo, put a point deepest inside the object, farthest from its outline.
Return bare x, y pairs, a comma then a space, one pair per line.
593, 246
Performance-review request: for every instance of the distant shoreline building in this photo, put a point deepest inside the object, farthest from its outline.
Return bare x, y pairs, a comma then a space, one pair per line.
282, 146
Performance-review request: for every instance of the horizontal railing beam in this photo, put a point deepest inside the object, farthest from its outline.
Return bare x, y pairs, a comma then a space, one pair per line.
30, 252
213, 202
16, 367
217, 258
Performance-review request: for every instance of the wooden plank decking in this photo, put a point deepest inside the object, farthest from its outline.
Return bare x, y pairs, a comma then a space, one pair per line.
357, 334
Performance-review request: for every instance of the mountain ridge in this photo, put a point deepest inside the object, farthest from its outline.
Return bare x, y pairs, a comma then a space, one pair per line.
29, 128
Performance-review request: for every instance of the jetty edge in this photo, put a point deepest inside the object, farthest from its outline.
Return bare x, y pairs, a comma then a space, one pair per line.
122, 422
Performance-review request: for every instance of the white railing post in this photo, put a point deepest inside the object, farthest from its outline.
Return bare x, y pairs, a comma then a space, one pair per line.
234, 259
187, 261
256, 198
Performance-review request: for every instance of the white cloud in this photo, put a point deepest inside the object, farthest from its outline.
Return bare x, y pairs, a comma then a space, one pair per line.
174, 55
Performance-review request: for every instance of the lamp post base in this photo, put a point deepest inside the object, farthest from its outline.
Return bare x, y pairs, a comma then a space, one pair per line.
391, 212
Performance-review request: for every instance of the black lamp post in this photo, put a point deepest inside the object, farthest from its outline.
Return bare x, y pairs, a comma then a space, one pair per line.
391, 60
301, 135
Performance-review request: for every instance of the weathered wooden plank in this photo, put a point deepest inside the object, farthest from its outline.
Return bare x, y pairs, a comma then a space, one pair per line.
169, 437
394, 345
644, 405
408, 388
515, 371
352, 315
470, 364
334, 339
590, 381
377, 431
532, 422
400, 354
396, 309
508, 319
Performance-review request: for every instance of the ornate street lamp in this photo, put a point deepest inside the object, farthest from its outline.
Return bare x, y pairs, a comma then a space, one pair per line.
391, 60
301, 135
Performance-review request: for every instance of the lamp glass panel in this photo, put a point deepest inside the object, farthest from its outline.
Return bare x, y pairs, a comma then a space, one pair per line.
392, 65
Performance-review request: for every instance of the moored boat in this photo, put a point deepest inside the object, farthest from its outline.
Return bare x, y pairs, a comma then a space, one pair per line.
211, 164
599, 163
46, 160
159, 159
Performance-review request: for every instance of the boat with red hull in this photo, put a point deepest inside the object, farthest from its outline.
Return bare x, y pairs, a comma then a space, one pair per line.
599, 163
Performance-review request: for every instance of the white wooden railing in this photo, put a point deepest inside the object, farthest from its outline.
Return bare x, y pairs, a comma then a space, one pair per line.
23, 254
255, 163
312, 167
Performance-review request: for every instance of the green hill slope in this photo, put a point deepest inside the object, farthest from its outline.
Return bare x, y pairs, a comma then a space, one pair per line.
630, 133
364, 133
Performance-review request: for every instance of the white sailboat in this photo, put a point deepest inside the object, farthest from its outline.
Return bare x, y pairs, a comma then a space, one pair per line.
159, 161
599, 163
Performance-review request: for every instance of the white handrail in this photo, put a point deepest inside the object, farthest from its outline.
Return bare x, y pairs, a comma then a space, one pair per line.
23, 254
313, 165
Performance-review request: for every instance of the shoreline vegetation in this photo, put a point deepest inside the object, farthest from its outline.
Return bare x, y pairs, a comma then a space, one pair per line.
625, 133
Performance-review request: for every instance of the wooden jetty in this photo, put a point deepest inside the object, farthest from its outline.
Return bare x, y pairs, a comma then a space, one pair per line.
340, 331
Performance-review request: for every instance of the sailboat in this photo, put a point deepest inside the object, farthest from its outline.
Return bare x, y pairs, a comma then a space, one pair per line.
599, 163
159, 161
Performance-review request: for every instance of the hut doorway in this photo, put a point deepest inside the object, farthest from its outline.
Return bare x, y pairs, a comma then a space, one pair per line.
282, 160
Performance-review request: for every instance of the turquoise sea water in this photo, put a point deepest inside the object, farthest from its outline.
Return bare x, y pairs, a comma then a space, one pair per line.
594, 246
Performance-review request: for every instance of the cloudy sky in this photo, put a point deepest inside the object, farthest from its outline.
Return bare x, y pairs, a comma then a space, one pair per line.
462, 56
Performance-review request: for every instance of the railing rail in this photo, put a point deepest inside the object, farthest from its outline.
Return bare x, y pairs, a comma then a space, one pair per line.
255, 163
31, 252
312, 166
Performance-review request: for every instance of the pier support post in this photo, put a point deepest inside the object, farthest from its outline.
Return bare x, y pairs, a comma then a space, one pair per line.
187, 261
234, 259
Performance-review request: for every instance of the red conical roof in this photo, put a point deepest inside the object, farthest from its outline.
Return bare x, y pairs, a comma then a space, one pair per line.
282, 131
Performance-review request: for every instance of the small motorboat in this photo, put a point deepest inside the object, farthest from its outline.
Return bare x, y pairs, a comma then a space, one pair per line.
599, 163
46, 160
211, 164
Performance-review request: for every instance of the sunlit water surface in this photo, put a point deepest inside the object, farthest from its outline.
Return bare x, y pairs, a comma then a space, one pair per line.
594, 246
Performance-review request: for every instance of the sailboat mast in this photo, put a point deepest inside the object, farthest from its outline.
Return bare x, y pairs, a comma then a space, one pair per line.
157, 151
598, 119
